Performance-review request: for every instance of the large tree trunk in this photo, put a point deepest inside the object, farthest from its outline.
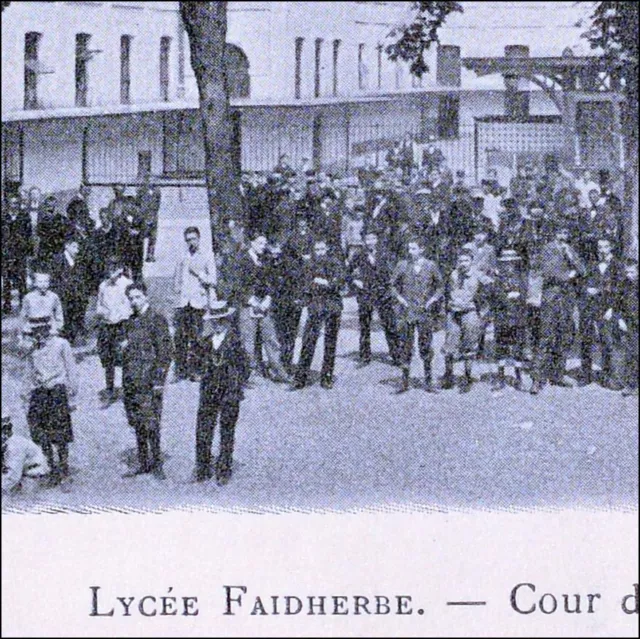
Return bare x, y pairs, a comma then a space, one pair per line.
206, 26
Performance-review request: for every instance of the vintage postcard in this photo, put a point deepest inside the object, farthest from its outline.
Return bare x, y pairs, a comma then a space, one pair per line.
319, 319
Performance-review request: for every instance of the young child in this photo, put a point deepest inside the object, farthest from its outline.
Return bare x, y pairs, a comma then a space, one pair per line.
21, 458
42, 302
464, 325
628, 324
50, 379
113, 309
510, 314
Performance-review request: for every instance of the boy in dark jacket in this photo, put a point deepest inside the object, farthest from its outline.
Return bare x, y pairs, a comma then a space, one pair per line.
324, 281
147, 352
628, 323
510, 316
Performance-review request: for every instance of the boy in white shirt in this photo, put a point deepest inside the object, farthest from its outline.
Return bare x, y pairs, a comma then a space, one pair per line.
113, 309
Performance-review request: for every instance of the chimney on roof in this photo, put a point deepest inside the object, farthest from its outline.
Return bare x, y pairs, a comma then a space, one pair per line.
448, 65
516, 96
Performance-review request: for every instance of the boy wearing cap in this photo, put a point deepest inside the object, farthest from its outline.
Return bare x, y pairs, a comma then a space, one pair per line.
509, 312
113, 309
21, 458
464, 326
226, 369
42, 302
51, 378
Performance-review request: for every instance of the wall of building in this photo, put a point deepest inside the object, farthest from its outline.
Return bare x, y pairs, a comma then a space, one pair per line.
265, 31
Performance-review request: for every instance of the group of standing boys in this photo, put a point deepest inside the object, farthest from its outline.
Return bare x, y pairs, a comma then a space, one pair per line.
542, 262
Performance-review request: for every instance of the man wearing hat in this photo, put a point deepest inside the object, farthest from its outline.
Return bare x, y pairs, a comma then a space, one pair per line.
21, 458
50, 379
226, 369
509, 316
147, 352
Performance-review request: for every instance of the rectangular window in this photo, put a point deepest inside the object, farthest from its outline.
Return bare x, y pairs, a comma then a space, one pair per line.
82, 68
165, 49
448, 116
336, 54
31, 50
317, 69
125, 69
379, 66
361, 68
297, 90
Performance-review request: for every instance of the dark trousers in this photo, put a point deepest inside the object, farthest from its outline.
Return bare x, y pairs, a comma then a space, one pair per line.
110, 337
630, 353
424, 328
533, 329
286, 316
188, 322
133, 258
556, 333
74, 309
152, 235
595, 331
209, 410
388, 321
14, 276
312, 328
143, 407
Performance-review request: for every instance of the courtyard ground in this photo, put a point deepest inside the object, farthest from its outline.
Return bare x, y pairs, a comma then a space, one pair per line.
356, 446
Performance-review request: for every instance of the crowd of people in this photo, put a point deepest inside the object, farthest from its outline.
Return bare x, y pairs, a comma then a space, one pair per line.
541, 260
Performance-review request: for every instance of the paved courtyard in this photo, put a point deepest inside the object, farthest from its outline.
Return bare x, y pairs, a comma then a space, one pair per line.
358, 445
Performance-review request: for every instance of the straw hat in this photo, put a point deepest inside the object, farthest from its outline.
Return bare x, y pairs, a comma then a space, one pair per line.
219, 309
509, 255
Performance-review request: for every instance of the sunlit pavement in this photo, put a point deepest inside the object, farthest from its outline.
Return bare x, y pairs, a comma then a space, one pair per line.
358, 445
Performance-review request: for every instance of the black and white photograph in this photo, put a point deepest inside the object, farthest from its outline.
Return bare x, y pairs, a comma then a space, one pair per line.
316, 258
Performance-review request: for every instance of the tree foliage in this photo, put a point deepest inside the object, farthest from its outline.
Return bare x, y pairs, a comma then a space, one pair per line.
614, 30
5, 4
413, 40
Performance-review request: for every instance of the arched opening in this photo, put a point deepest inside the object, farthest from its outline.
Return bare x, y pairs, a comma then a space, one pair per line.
237, 72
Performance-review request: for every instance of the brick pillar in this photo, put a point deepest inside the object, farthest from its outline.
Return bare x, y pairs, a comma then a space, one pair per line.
516, 97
